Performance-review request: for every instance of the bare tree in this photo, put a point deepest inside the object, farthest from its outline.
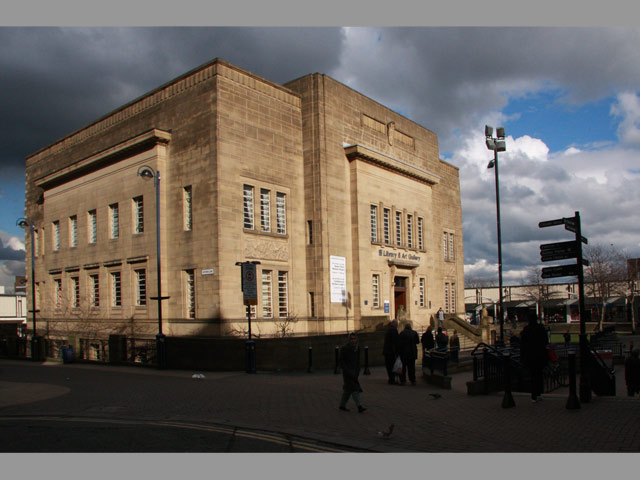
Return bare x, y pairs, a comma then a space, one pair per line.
605, 275
284, 325
537, 289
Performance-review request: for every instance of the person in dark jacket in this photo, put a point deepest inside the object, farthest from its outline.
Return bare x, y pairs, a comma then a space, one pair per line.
428, 343
408, 353
390, 349
454, 347
350, 365
534, 356
632, 373
442, 341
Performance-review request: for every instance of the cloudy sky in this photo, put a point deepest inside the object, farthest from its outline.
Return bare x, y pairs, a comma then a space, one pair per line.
567, 97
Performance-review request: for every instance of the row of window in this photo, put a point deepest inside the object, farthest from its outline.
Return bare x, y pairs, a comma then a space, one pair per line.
448, 245
449, 297
408, 229
114, 217
265, 214
274, 297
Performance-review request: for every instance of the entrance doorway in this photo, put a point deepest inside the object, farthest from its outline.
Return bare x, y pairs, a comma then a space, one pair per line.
400, 296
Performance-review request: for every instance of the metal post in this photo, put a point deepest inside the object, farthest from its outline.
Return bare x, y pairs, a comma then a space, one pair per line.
585, 380
366, 361
572, 402
500, 294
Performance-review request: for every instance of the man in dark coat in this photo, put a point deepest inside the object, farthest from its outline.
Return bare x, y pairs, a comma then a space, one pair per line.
390, 349
408, 353
632, 373
534, 355
442, 341
350, 365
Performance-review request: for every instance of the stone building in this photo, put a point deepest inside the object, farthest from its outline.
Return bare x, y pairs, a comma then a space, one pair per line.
346, 205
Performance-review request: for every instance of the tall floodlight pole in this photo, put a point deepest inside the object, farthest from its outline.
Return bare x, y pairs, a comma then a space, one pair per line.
148, 172
497, 144
24, 223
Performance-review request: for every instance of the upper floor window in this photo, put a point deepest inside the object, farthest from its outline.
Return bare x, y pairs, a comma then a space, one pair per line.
57, 293
374, 223
247, 200
186, 200
409, 230
281, 213
114, 220
398, 228
116, 292
386, 225
56, 235
75, 292
420, 233
73, 231
138, 214
93, 226
451, 249
36, 240
445, 244
265, 210
94, 286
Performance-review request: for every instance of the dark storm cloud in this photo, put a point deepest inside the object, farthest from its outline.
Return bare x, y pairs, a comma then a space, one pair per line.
56, 80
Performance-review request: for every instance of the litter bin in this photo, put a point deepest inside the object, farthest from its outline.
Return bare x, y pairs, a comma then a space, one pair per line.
67, 354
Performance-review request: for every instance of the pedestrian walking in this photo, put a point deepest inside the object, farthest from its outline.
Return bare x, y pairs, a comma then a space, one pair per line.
350, 365
408, 353
442, 341
533, 352
390, 349
454, 347
428, 342
632, 373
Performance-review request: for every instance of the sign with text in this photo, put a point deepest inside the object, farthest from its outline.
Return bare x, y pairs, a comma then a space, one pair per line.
249, 284
560, 271
338, 271
558, 251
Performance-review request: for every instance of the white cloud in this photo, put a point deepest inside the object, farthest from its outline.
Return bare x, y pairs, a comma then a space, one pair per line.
628, 109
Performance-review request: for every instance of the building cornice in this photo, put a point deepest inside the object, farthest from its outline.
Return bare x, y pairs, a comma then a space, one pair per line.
359, 152
144, 141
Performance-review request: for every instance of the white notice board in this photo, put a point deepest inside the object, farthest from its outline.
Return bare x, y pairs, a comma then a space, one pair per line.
338, 279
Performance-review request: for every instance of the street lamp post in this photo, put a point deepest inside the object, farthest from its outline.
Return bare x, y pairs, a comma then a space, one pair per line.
497, 144
148, 172
35, 347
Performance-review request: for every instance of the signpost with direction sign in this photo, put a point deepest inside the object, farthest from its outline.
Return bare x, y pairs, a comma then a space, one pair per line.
551, 252
249, 297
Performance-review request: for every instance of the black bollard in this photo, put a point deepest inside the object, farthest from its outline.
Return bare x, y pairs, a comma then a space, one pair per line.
366, 361
573, 403
337, 359
507, 400
310, 369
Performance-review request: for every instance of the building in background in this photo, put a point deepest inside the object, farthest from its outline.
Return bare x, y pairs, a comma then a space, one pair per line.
13, 315
346, 204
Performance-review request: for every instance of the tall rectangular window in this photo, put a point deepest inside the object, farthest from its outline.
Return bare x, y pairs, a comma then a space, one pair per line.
187, 212
310, 231
57, 293
114, 220
190, 292
374, 223
410, 231
420, 233
312, 304
446, 297
283, 295
386, 225
398, 228
452, 301
247, 200
36, 245
444, 245
423, 289
94, 285
267, 296
56, 235
116, 292
141, 287
138, 214
375, 284
93, 226
265, 210
75, 292
73, 231
281, 213
451, 250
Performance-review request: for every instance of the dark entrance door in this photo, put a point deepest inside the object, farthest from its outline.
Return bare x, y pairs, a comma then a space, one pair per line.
400, 294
